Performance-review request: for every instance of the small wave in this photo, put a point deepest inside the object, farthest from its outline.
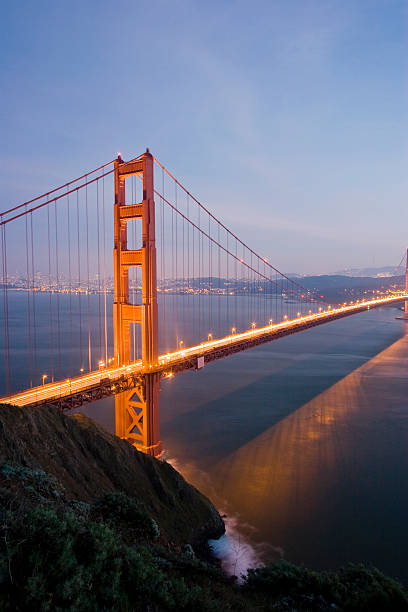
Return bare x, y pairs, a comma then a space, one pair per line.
234, 549
235, 552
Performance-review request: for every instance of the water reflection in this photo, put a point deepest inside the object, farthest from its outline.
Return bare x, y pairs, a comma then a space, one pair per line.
302, 442
326, 483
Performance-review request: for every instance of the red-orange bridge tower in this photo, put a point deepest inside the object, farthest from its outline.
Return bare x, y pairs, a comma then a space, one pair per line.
136, 410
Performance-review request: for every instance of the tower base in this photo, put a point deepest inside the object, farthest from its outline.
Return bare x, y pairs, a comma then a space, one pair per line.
137, 415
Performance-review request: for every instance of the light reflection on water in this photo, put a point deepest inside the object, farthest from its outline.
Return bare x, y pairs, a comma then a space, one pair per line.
302, 442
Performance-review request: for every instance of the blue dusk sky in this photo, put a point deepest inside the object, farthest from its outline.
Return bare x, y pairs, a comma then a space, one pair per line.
288, 119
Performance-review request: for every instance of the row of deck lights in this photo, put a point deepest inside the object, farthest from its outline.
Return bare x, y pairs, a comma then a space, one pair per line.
102, 364
285, 318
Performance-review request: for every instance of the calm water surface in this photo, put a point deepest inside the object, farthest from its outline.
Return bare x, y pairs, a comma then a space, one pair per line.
303, 442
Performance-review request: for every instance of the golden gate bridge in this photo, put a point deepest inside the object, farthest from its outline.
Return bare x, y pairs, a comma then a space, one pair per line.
181, 290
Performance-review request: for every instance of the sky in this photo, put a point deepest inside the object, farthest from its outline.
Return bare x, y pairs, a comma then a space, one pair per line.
288, 119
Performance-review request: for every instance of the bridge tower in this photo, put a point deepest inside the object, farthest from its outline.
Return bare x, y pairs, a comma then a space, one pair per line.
136, 410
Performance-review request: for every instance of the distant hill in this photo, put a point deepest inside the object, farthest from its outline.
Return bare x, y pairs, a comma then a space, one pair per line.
339, 287
372, 271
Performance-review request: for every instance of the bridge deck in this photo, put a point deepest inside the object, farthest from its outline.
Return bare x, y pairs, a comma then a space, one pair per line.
90, 387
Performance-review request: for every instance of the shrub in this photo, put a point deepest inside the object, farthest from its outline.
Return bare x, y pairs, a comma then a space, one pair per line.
118, 508
49, 562
369, 590
36, 481
354, 588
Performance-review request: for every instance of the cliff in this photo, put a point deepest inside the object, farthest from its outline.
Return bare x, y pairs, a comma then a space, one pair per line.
89, 462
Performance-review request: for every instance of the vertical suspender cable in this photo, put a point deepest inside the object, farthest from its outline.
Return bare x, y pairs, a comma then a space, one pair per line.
199, 279
188, 253
50, 292
219, 331
100, 350
5, 306
236, 286
104, 268
183, 298
176, 297
58, 291
173, 314
71, 357
163, 265
227, 286
28, 286
210, 283
79, 283
88, 303
194, 284
33, 289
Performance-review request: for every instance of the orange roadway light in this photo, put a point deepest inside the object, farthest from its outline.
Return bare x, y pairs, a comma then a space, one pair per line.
83, 382
44, 376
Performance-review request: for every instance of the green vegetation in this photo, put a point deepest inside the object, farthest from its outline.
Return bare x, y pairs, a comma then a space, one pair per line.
57, 554
354, 588
64, 547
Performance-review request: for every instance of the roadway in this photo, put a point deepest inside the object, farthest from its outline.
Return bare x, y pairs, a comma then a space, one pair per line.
108, 381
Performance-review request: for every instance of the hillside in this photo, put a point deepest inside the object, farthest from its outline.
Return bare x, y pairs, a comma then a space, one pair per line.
89, 462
